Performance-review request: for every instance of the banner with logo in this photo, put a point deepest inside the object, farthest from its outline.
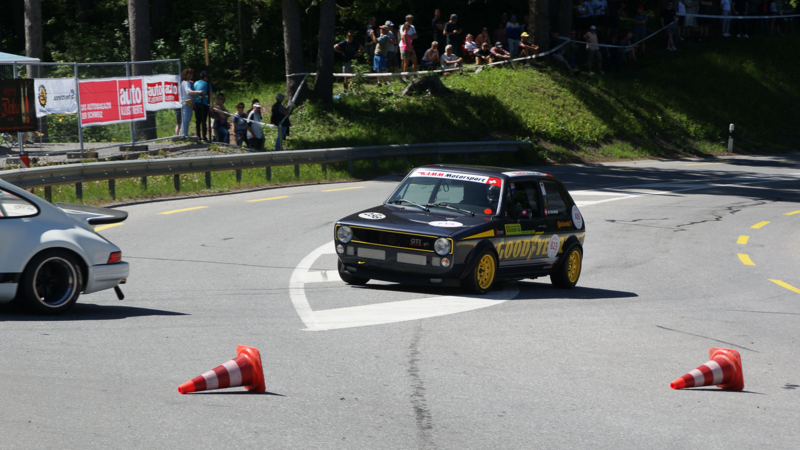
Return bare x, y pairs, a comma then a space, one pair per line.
55, 96
161, 92
17, 107
111, 100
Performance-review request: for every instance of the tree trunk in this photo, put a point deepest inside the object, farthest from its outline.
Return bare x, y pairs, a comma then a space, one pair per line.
239, 26
323, 86
33, 34
292, 45
564, 19
540, 12
139, 21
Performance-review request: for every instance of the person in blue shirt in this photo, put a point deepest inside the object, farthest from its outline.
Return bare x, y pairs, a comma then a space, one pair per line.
202, 105
513, 34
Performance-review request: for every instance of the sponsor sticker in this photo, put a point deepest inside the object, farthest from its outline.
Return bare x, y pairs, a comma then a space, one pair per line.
446, 224
576, 217
553, 246
372, 216
564, 224
458, 176
521, 173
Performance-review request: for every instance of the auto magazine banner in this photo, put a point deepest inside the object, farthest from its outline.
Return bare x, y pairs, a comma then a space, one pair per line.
161, 92
17, 107
55, 96
111, 100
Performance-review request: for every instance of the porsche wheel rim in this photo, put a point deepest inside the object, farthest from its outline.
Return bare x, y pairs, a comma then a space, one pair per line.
55, 282
574, 266
486, 270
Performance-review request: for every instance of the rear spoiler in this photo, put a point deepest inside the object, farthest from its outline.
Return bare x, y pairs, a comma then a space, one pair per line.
93, 215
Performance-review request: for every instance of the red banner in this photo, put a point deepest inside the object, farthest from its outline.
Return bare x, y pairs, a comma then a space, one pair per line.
162, 92
111, 100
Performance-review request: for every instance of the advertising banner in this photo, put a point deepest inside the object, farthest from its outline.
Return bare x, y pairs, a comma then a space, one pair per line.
161, 92
17, 106
55, 96
111, 100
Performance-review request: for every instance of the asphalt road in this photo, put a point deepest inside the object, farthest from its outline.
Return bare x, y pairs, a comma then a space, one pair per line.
668, 273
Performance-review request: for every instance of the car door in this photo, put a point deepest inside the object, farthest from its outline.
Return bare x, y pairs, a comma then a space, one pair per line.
559, 225
524, 226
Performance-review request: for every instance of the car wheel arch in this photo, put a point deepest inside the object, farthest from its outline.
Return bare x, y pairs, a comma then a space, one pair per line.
84, 266
472, 258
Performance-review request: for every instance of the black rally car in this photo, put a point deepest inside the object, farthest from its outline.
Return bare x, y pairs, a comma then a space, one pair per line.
470, 226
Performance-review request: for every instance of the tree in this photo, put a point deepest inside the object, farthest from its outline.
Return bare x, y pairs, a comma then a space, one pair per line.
564, 19
139, 22
292, 45
33, 34
323, 86
540, 14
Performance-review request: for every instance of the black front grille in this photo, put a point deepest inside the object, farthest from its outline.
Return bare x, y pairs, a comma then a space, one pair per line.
393, 239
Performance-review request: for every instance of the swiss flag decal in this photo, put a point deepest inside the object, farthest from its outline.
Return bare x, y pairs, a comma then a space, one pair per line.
493, 181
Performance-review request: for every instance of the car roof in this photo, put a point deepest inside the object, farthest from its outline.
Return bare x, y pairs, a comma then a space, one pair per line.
504, 172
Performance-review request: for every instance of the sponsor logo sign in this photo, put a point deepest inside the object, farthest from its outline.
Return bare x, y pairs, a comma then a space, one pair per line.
17, 105
458, 176
564, 224
527, 248
161, 92
522, 173
55, 96
446, 224
111, 100
372, 216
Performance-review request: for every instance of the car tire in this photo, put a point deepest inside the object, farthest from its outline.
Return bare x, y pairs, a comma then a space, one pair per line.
568, 271
51, 283
482, 276
350, 279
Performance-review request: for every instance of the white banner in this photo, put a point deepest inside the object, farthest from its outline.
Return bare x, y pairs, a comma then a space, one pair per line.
55, 96
161, 92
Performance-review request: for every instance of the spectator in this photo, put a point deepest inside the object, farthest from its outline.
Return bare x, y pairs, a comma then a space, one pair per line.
368, 44
628, 53
681, 19
280, 118
725, 9
513, 33
187, 99
381, 50
391, 54
349, 50
640, 27
430, 60
593, 49
483, 37
450, 60
451, 30
499, 53
408, 33
585, 16
438, 27
484, 55
255, 133
558, 55
239, 125
527, 48
600, 7
668, 21
220, 120
202, 105
692, 7
706, 8
470, 47
739, 8
525, 23
500, 33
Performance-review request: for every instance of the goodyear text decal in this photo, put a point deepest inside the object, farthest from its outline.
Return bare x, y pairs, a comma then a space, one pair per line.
526, 248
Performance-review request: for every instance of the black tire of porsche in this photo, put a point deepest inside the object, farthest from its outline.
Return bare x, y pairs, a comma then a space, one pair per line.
561, 275
350, 279
51, 283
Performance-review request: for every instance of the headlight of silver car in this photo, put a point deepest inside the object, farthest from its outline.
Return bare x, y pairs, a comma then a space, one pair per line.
441, 246
344, 234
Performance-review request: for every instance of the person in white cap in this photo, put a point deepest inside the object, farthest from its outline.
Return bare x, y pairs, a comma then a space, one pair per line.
255, 133
593, 49
280, 118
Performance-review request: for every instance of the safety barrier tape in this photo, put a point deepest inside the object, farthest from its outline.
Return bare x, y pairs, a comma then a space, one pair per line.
777, 16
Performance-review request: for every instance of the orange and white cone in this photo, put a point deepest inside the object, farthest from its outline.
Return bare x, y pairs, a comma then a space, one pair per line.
724, 369
244, 370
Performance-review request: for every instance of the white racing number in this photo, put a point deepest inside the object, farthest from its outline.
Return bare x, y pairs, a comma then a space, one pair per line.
553, 246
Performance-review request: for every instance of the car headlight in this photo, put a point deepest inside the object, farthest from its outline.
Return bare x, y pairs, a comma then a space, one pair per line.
344, 234
441, 246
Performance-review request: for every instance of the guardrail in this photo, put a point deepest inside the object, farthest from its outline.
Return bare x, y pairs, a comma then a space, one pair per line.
83, 172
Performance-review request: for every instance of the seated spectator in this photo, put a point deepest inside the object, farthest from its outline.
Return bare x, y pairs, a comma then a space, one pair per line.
559, 55
450, 60
527, 48
430, 60
469, 49
483, 37
628, 53
499, 53
484, 55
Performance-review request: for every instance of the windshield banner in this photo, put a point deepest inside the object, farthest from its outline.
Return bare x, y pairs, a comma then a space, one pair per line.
457, 176
111, 100
55, 96
161, 92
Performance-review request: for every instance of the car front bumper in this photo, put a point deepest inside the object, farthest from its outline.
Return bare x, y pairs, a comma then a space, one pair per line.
400, 265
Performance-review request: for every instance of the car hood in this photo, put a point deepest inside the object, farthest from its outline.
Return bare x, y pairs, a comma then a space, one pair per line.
410, 219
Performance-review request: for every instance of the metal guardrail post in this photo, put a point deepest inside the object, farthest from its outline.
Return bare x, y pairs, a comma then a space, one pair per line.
79, 191
324, 170
376, 163
269, 173
350, 167
208, 180
112, 189
297, 171
239, 176
176, 181
48, 193
144, 183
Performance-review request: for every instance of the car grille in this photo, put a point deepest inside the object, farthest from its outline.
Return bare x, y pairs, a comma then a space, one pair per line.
393, 239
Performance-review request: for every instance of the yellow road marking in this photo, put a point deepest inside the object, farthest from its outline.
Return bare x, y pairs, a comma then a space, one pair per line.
344, 189
105, 227
792, 213
786, 285
182, 210
759, 225
705, 164
745, 259
265, 199
742, 239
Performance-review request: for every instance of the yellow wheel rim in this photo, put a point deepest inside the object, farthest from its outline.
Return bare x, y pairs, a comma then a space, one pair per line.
574, 266
486, 269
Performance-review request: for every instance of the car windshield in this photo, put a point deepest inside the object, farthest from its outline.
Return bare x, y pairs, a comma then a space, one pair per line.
462, 194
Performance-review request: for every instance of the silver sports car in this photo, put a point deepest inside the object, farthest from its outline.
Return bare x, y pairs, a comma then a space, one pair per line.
50, 254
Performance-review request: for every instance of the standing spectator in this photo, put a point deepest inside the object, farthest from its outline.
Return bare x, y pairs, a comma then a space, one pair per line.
221, 124
349, 50
484, 55
628, 52
483, 37
391, 55
407, 53
668, 21
451, 30
469, 49
438, 28
450, 60
381, 50
513, 33
280, 118
499, 53
739, 8
255, 133
500, 33
368, 44
239, 125
202, 105
725, 8
585, 16
593, 49
640, 26
692, 7
527, 48
411, 31
430, 60
600, 7
706, 8
559, 55
187, 99
681, 19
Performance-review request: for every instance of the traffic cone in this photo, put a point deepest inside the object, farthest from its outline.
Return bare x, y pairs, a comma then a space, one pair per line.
724, 369
244, 370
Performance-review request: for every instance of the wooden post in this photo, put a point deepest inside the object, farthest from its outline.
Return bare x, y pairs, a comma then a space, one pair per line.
208, 180
79, 191
48, 193
269, 173
238, 175
112, 189
144, 183
176, 181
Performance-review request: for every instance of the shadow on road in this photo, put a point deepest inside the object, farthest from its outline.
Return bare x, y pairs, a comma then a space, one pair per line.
529, 290
8, 313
